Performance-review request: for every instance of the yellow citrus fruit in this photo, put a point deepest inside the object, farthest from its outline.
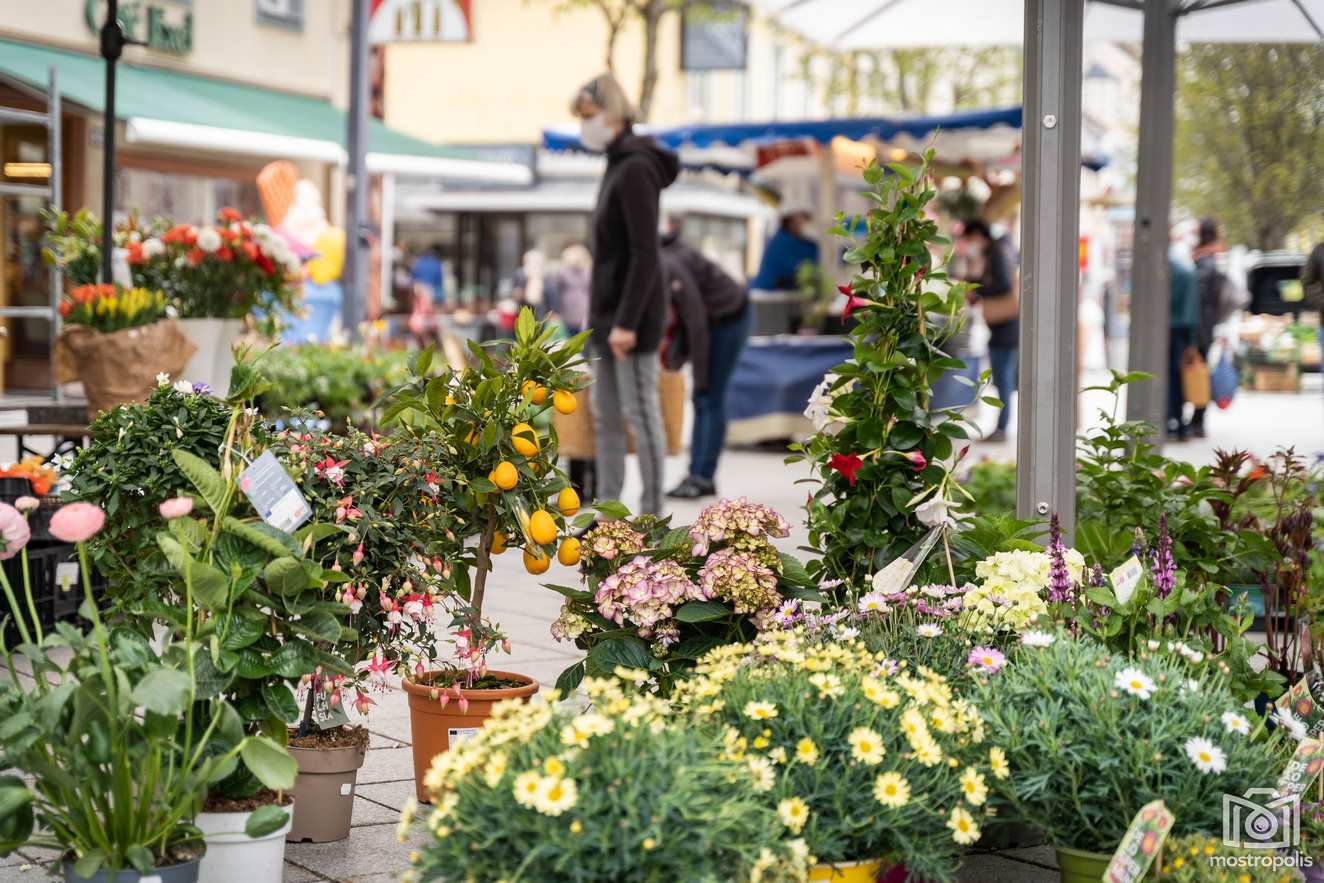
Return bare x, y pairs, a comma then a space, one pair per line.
505, 475
539, 391
542, 528
536, 562
564, 401
520, 438
568, 553
498, 542
567, 501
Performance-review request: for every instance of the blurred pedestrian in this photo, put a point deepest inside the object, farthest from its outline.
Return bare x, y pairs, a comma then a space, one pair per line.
1183, 323
1219, 299
787, 251
530, 288
429, 272
993, 261
712, 318
627, 295
572, 287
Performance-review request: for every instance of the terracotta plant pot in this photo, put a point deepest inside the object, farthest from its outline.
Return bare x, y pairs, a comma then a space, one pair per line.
434, 726
1079, 866
867, 871
184, 872
233, 855
324, 792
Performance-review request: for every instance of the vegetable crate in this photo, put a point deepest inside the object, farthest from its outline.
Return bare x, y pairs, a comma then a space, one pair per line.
57, 586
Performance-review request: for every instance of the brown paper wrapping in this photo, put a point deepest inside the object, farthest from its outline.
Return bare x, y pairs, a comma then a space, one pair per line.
121, 366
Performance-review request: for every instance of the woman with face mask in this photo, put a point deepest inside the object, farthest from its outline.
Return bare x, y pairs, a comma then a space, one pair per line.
627, 295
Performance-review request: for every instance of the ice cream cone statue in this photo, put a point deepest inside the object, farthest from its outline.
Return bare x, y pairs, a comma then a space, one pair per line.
294, 208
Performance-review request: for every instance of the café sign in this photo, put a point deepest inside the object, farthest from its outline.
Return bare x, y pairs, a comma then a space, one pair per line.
162, 26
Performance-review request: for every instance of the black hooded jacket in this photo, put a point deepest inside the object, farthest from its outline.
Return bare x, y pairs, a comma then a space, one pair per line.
628, 289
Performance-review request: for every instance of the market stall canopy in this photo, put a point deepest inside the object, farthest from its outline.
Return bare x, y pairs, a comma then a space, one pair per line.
186, 110
974, 136
870, 24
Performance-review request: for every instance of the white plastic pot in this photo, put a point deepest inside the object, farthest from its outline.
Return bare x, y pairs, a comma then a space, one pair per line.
234, 856
213, 360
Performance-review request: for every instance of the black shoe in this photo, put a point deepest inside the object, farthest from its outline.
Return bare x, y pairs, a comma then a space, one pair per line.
1198, 432
692, 489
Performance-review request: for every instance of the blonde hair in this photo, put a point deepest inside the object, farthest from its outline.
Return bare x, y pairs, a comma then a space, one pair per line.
606, 93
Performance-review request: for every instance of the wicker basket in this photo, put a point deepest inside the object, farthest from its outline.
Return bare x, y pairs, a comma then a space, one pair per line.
574, 432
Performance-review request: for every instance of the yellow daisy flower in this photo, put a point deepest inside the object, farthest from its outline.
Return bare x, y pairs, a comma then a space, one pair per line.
526, 788
866, 746
973, 786
997, 759
793, 812
892, 790
760, 711
964, 829
806, 752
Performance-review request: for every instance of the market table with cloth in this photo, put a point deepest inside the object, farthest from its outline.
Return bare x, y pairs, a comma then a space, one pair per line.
776, 375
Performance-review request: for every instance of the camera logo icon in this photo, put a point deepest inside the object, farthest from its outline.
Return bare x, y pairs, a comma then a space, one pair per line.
1262, 818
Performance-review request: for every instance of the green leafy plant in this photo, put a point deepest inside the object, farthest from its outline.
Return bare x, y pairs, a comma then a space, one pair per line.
657, 598
1092, 737
992, 487
342, 382
617, 793
251, 594
882, 456
1199, 858
128, 469
499, 482
72, 245
119, 739
862, 756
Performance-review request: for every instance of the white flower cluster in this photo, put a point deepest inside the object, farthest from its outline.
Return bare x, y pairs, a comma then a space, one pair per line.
820, 411
1010, 593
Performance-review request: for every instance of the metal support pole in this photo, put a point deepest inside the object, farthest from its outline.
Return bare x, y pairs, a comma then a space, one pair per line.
356, 179
112, 47
1149, 263
829, 248
1050, 221
55, 156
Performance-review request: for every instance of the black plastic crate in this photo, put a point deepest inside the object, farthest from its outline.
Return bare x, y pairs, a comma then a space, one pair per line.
55, 600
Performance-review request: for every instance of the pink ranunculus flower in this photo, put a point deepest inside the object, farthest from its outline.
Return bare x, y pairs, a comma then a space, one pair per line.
77, 522
26, 503
176, 507
14, 531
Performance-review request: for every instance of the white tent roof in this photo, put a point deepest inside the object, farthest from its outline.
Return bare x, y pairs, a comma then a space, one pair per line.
869, 24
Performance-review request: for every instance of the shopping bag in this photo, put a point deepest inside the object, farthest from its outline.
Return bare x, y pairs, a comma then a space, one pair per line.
1223, 381
1194, 378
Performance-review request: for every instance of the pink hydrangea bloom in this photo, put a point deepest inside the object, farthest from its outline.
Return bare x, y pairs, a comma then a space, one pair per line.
727, 518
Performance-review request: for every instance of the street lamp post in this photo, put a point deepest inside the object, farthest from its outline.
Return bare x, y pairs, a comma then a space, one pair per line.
113, 42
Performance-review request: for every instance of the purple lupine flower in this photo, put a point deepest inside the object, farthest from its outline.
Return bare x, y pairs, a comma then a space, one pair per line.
1059, 578
1162, 566
1097, 578
1138, 545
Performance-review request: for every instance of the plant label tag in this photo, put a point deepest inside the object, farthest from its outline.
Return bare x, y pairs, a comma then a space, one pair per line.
328, 718
66, 575
1125, 579
1141, 844
346, 789
457, 735
1300, 702
1302, 769
274, 494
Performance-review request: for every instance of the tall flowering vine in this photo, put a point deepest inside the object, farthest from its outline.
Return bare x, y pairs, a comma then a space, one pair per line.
1162, 567
1060, 585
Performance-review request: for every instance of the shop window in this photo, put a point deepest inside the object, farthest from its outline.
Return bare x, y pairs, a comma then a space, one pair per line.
185, 198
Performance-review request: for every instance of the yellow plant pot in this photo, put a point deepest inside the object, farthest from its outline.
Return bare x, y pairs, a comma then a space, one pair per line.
846, 872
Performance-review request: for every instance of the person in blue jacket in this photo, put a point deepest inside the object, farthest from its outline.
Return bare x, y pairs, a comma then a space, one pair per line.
785, 252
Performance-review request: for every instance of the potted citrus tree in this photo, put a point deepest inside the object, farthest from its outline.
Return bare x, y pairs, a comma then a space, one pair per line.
498, 478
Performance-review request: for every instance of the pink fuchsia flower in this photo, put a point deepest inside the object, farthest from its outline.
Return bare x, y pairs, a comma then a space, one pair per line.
14, 531
916, 459
357, 557
26, 503
361, 702
987, 659
176, 507
77, 522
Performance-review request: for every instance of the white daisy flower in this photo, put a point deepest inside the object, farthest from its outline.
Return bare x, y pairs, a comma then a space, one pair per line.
1135, 682
1207, 757
928, 630
1235, 723
1034, 638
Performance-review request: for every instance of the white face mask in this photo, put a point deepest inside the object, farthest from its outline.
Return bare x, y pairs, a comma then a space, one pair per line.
594, 133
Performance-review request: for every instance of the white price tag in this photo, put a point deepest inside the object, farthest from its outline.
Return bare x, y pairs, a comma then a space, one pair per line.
66, 575
346, 789
1125, 579
457, 735
274, 494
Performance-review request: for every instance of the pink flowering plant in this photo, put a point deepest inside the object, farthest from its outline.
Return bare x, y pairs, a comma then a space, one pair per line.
656, 598
381, 521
